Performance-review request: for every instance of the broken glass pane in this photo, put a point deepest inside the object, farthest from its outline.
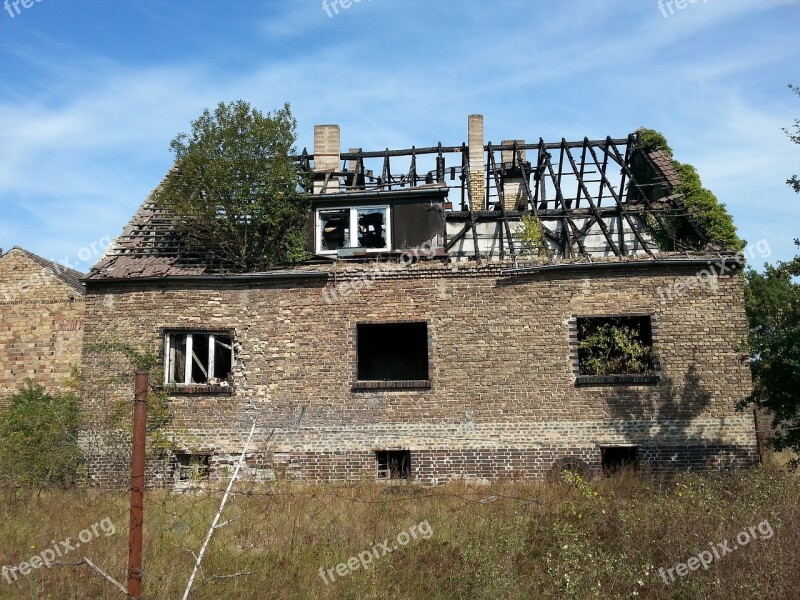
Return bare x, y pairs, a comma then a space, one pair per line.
335, 229
372, 227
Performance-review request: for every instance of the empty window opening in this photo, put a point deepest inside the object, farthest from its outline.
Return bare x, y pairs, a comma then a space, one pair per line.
192, 467
198, 359
616, 458
615, 346
393, 464
392, 351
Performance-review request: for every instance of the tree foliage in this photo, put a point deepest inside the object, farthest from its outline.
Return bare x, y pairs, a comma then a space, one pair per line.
235, 192
710, 215
39, 437
773, 311
794, 135
611, 348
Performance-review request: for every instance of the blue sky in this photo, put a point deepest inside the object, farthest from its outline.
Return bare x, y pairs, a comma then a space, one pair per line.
93, 91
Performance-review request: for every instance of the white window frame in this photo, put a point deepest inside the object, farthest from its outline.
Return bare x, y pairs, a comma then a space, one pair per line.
353, 227
169, 360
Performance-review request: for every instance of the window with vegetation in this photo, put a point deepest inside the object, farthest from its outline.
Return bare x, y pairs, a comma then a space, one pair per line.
615, 346
198, 358
392, 351
364, 227
394, 464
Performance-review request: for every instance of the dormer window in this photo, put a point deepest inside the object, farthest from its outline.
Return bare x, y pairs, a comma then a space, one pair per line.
364, 227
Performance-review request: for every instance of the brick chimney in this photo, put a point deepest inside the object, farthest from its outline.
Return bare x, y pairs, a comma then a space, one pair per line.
513, 188
477, 175
327, 144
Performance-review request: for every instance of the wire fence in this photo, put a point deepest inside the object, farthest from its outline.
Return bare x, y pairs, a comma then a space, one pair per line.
230, 536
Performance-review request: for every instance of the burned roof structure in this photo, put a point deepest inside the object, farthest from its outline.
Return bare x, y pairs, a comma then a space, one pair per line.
589, 199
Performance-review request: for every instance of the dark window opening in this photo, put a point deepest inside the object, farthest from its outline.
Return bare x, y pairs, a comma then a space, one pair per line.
619, 457
192, 467
372, 228
335, 229
615, 346
394, 464
392, 351
198, 359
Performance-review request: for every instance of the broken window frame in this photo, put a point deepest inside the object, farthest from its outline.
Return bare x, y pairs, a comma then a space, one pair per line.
353, 236
214, 340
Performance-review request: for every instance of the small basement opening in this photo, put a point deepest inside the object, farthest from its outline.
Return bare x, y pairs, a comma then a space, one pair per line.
392, 351
393, 464
192, 467
615, 458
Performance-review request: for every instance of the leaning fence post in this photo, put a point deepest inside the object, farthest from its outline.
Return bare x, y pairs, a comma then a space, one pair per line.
137, 486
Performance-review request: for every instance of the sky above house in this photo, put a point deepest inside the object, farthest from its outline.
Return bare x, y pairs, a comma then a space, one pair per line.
92, 92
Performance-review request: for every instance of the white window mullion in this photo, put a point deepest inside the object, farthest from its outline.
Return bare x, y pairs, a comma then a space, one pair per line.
354, 228
169, 372
211, 352
187, 375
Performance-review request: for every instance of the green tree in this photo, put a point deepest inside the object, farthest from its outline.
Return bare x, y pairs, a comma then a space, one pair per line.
236, 192
794, 135
773, 311
39, 437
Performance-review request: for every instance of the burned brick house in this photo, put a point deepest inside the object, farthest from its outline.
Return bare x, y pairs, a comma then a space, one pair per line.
41, 321
439, 329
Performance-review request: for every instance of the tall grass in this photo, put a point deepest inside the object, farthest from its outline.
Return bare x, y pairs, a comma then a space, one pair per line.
566, 539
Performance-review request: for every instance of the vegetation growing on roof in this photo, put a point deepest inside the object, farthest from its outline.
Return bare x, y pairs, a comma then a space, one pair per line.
235, 192
531, 233
708, 213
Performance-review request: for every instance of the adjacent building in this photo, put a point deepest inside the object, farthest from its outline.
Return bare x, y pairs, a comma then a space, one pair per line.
41, 321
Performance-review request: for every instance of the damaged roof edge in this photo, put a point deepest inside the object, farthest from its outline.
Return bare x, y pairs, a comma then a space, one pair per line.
222, 277
722, 261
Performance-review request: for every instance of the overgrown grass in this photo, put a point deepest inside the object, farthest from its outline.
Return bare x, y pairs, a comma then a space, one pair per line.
570, 539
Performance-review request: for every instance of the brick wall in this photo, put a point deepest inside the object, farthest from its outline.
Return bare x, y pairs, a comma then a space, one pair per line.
41, 325
502, 400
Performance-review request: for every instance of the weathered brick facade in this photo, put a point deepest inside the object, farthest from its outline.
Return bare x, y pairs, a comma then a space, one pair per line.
502, 399
41, 321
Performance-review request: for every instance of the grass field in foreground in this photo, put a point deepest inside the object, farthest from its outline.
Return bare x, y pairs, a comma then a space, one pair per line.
570, 539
